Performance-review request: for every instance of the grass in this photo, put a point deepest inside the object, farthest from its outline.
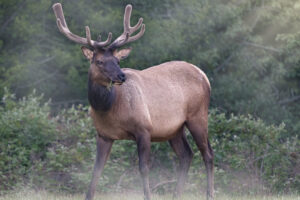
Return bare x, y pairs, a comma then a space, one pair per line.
43, 195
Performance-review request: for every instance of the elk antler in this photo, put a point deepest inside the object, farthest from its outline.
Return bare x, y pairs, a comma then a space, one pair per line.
63, 27
125, 38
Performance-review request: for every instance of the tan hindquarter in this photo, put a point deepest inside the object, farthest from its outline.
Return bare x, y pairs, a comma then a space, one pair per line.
157, 100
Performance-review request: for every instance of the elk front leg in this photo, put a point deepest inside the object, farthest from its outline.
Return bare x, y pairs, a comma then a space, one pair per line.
103, 150
144, 146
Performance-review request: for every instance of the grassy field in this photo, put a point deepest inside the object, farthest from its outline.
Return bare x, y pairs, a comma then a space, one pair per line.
42, 195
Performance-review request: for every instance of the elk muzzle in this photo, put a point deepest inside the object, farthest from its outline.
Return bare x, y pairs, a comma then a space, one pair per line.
121, 78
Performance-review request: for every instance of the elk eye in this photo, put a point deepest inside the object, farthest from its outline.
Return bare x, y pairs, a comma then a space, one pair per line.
99, 62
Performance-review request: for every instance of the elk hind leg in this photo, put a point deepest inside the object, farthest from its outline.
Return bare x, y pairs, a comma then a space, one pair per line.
199, 130
185, 154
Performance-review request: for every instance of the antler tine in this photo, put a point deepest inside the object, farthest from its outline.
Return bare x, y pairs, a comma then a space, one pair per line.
127, 16
63, 28
128, 30
137, 26
58, 11
88, 36
99, 38
137, 36
98, 43
106, 42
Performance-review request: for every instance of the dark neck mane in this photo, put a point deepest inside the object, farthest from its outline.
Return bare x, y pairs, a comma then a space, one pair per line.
100, 97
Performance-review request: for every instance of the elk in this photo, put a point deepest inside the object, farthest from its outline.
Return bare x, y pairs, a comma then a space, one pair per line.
151, 105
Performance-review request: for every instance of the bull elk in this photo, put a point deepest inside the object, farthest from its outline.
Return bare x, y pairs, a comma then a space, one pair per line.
151, 105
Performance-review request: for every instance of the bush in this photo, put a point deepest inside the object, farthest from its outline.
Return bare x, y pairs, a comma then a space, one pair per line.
26, 132
252, 156
57, 153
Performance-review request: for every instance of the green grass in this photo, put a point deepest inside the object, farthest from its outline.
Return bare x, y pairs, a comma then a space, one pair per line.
42, 195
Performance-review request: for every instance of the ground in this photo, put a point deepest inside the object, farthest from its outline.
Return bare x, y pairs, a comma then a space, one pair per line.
42, 195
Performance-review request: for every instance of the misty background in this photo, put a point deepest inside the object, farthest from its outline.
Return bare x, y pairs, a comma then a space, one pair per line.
249, 49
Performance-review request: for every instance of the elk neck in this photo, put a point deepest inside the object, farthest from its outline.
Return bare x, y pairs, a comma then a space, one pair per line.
100, 97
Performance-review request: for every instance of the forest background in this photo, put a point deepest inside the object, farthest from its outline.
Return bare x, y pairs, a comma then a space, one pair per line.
249, 49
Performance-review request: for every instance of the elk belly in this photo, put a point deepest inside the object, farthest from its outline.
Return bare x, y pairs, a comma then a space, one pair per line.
166, 127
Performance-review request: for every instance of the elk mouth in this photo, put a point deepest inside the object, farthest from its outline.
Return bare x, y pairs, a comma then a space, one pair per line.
117, 83
118, 80
121, 78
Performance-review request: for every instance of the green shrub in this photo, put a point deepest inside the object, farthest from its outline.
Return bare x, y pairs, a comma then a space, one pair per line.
252, 155
26, 132
58, 152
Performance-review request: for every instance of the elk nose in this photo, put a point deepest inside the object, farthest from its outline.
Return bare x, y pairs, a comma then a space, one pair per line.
122, 77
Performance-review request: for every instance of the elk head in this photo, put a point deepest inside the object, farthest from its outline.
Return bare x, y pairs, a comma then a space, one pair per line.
103, 55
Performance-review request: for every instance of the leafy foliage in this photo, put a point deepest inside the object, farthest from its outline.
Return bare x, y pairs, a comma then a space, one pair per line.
253, 154
57, 153
249, 49
26, 131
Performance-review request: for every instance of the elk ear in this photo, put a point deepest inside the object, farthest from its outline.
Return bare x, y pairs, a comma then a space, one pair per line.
87, 53
122, 54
